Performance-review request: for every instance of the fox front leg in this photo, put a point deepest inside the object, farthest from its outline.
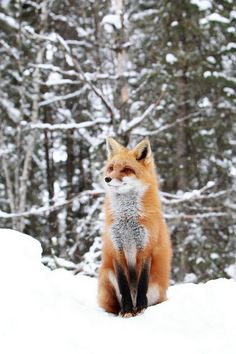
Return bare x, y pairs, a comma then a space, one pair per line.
142, 301
127, 308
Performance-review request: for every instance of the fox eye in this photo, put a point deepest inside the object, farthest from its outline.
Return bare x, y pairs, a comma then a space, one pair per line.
128, 170
110, 168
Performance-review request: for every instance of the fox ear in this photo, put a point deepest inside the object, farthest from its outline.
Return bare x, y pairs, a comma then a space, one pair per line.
113, 147
143, 151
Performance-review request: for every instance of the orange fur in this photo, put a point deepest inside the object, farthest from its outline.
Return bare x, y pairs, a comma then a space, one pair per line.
123, 162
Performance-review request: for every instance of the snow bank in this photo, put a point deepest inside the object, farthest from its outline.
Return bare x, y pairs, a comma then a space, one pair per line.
44, 311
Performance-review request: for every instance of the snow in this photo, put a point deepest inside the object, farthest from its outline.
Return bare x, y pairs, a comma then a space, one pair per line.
45, 311
142, 15
214, 17
81, 32
12, 111
231, 30
59, 154
174, 24
233, 14
233, 171
50, 51
207, 74
190, 278
10, 21
67, 126
205, 102
229, 91
50, 98
53, 78
111, 20
229, 46
231, 271
202, 4
69, 60
171, 58
211, 60
5, 3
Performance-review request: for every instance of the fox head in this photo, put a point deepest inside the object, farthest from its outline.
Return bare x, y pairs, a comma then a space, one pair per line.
126, 169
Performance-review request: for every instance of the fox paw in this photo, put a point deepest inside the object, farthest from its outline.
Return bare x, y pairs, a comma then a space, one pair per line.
126, 314
139, 312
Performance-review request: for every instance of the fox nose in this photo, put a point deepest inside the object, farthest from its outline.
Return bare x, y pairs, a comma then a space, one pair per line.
108, 179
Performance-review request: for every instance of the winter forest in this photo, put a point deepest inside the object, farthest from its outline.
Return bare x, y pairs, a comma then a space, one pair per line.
73, 73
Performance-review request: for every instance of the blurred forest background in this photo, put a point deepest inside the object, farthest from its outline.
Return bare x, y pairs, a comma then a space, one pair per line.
73, 73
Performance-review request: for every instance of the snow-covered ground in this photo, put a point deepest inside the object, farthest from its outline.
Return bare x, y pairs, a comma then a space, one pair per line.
55, 312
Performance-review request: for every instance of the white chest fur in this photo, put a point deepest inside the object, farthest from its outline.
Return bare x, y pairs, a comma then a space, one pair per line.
127, 234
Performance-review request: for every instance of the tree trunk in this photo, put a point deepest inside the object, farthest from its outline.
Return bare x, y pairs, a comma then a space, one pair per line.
181, 148
34, 117
70, 189
121, 95
52, 224
97, 24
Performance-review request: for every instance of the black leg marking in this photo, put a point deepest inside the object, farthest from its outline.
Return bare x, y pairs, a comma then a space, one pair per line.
126, 300
143, 287
132, 276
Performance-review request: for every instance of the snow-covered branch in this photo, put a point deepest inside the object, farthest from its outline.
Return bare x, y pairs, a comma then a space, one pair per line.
175, 199
183, 216
10, 50
166, 126
196, 194
12, 112
62, 98
47, 209
137, 121
59, 39
97, 92
67, 126
54, 68
10, 21
230, 205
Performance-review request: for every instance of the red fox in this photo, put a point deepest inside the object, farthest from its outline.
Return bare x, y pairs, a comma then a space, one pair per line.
136, 253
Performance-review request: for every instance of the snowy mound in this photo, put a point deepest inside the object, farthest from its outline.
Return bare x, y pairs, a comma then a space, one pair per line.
54, 312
